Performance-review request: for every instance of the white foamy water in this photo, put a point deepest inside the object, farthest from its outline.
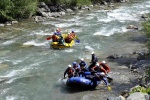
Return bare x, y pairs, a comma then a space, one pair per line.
33, 43
69, 50
122, 15
15, 72
73, 19
8, 42
89, 48
45, 32
15, 62
105, 31
11, 98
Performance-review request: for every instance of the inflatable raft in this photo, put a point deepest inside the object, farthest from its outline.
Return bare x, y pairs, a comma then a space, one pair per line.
57, 45
87, 82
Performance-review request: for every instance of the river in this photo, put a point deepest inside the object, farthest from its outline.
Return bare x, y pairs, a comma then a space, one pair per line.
31, 70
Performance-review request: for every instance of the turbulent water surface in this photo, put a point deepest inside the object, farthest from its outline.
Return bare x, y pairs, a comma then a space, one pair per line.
30, 70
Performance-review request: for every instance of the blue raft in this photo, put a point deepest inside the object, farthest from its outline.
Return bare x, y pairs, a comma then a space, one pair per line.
83, 82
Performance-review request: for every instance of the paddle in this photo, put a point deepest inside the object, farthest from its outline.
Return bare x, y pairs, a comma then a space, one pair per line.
109, 78
49, 38
109, 88
77, 41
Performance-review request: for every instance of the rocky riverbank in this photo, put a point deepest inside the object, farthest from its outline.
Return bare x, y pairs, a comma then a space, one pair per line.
130, 68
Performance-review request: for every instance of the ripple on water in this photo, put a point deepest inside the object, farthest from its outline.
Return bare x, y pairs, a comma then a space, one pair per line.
3, 66
4, 52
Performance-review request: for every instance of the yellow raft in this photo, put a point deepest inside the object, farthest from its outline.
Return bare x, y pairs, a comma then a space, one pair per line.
57, 45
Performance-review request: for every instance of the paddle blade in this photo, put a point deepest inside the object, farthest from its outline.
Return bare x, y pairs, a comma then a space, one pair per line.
77, 41
109, 88
48, 38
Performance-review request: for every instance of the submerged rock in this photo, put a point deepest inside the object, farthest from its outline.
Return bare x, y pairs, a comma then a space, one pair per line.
132, 27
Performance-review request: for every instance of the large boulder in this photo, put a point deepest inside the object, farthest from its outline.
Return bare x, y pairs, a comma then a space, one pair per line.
140, 64
44, 6
138, 96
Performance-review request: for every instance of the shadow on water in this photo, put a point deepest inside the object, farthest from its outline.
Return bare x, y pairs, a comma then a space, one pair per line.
139, 38
126, 60
120, 87
68, 90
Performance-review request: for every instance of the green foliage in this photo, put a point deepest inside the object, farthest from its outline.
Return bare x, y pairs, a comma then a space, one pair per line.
24, 8
148, 90
5, 9
83, 2
146, 26
13, 9
140, 89
96, 1
16, 9
73, 2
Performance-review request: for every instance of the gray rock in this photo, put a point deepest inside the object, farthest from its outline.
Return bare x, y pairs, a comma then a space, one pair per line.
141, 63
138, 96
69, 10
14, 22
114, 98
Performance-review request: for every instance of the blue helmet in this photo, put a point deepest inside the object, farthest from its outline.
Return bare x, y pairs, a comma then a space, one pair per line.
74, 63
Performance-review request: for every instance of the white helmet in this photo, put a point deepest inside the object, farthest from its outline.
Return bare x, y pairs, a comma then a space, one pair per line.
58, 29
104, 62
82, 59
69, 65
92, 53
97, 64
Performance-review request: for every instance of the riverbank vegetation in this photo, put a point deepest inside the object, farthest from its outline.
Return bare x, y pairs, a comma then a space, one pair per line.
146, 77
16, 9
21, 9
146, 26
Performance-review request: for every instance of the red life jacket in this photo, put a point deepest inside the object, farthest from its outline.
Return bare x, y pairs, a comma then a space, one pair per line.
54, 38
70, 72
105, 66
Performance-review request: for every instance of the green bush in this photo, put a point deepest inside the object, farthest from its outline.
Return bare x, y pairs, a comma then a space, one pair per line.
24, 8
140, 89
5, 10
146, 26
14, 9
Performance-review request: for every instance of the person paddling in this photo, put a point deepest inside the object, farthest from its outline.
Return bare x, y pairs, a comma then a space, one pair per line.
69, 71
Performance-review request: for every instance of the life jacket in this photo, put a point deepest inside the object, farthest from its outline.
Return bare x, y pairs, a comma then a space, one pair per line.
70, 37
94, 59
82, 64
68, 40
70, 72
54, 38
105, 67
99, 69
